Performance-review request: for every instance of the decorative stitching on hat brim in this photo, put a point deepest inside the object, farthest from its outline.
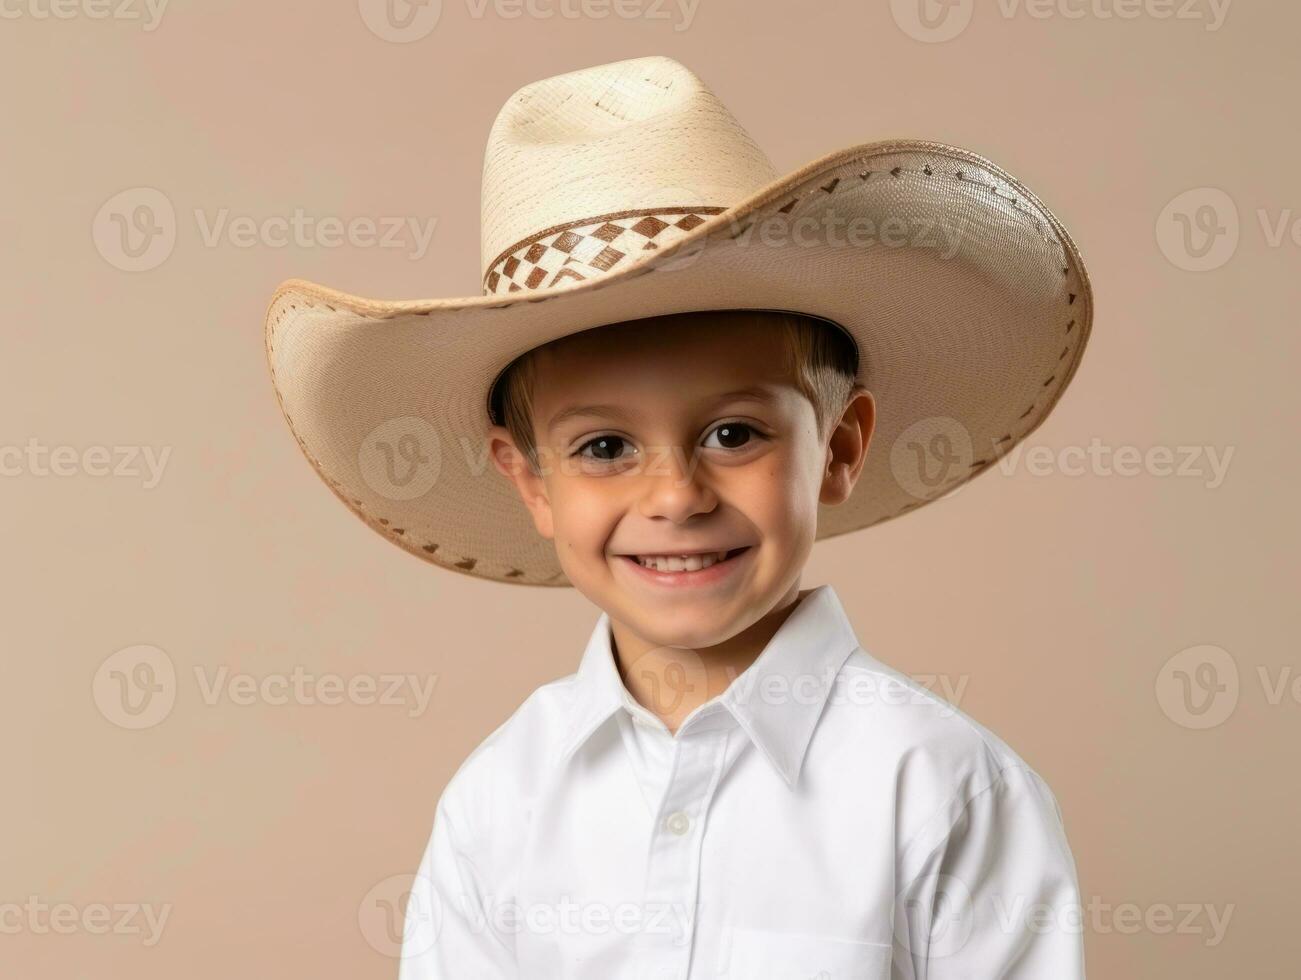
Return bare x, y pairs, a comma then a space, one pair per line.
1080, 311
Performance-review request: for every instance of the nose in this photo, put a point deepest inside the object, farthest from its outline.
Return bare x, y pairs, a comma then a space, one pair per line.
675, 488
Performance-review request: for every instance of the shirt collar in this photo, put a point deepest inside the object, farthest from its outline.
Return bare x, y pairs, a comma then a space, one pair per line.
777, 700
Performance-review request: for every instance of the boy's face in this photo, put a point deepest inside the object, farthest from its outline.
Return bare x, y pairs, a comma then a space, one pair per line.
681, 437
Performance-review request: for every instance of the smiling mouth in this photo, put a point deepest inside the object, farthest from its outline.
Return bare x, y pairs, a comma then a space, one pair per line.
684, 562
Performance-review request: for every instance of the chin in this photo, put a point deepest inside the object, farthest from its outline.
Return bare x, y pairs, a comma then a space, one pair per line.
695, 631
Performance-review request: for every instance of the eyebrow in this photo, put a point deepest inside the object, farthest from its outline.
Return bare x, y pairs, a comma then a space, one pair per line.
757, 394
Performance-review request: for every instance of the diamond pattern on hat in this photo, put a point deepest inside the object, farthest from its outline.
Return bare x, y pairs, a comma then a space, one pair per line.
588, 249
650, 226
566, 241
606, 260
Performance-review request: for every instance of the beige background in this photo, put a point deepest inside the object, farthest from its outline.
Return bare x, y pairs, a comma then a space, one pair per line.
269, 832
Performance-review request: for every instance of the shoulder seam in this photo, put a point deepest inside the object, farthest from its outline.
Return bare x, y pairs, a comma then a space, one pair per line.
998, 778
969, 723
448, 800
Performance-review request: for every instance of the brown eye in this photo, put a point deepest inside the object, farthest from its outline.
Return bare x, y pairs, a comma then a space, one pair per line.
603, 448
731, 435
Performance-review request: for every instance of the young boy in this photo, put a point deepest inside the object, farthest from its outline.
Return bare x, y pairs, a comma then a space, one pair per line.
728, 785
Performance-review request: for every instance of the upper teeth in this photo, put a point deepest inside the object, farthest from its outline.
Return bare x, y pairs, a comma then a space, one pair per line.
680, 563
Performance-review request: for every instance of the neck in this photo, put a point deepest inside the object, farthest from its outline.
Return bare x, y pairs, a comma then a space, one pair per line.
671, 682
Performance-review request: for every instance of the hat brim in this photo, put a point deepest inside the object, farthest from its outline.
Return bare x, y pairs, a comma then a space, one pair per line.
970, 304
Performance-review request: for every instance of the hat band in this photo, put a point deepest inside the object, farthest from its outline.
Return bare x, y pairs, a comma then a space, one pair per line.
589, 247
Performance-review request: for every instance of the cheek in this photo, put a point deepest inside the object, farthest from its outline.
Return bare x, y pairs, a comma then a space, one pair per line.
584, 513
780, 495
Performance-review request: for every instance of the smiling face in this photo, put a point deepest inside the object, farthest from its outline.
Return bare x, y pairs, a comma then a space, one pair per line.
679, 469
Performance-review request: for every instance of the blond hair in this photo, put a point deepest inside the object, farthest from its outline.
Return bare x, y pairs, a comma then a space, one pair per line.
821, 359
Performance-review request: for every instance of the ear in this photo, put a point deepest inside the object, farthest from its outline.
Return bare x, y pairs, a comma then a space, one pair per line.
512, 463
847, 446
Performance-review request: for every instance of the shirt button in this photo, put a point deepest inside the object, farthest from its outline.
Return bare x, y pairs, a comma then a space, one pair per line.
678, 823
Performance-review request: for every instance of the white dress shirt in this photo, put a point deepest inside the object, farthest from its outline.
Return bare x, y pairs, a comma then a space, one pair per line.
824, 818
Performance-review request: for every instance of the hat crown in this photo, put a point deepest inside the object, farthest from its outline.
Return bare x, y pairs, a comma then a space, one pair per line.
586, 169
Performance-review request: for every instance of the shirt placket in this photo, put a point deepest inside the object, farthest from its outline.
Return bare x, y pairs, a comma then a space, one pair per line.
674, 853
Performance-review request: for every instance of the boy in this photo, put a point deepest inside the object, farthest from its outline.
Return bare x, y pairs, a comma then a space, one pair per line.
729, 785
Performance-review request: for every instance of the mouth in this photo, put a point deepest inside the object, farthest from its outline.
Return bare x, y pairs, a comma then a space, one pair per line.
686, 567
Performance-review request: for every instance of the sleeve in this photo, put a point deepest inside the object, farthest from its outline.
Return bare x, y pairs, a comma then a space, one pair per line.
995, 895
452, 926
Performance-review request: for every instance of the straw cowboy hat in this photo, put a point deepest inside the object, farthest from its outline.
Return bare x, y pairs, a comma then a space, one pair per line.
627, 191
